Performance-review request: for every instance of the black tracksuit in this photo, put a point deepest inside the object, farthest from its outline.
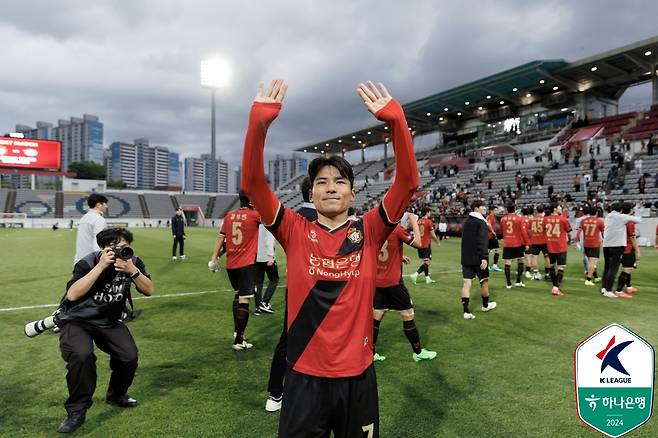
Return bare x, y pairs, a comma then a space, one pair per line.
178, 231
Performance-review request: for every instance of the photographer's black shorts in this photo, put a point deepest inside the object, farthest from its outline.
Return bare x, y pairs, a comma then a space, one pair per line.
559, 259
594, 253
425, 253
392, 298
628, 260
315, 406
243, 280
513, 252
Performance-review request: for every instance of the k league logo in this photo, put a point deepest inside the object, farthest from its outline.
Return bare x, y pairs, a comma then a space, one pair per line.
614, 379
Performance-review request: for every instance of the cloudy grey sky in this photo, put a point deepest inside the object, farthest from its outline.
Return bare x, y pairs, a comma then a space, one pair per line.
135, 63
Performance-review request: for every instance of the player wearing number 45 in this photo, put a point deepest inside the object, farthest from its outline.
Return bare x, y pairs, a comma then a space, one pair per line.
240, 234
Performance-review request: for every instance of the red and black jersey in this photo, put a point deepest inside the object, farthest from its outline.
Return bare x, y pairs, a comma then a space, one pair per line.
630, 234
240, 229
557, 233
330, 291
331, 273
592, 228
514, 231
491, 218
536, 231
389, 262
425, 225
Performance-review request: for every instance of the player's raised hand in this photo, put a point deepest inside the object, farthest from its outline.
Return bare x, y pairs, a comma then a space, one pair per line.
274, 94
374, 97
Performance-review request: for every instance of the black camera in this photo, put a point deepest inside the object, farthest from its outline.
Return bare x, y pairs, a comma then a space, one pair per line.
124, 253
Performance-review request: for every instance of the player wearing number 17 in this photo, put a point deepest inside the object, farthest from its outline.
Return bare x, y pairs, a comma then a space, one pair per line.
592, 228
240, 234
557, 230
332, 266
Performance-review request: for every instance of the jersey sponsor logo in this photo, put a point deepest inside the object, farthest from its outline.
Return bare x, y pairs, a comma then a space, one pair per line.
614, 376
355, 235
339, 268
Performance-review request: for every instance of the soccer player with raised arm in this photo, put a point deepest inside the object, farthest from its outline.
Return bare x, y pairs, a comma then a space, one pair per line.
332, 266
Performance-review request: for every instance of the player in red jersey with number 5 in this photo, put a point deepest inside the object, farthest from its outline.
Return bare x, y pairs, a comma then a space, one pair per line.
331, 384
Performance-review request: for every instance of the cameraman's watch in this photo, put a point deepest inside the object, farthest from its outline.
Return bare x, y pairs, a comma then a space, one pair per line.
136, 274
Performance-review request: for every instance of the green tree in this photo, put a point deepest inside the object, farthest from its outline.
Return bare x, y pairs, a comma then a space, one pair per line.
88, 170
116, 184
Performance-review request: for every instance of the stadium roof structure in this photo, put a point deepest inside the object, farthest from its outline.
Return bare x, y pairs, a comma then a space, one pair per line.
496, 97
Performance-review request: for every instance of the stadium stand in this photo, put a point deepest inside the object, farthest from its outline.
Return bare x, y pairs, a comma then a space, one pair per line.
36, 203
201, 200
160, 205
3, 199
223, 204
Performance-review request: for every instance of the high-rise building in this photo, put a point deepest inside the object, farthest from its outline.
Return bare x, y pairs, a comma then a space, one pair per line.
281, 170
198, 174
142, 166
81, 138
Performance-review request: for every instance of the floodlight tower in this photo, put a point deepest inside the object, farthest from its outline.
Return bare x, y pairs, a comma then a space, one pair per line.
214, 74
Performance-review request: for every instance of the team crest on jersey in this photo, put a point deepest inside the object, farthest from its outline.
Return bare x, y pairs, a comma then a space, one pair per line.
312, 235
355, 235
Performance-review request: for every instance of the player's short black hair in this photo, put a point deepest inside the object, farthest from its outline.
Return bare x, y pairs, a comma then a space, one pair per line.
528, 210
305, 187
553, 206
244, 200
616, 206
96, 198
424, 211
626, 208
477, 204
510, 207
540, 209
112, 236
341, 164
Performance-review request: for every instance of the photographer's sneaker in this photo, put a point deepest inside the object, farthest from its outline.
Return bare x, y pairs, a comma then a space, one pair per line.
244, 346
508, 286
469, 316
183, 257
173, 259
528, 275
124, 401
519, 284
72, 422
265, 308
492, 305
273, 403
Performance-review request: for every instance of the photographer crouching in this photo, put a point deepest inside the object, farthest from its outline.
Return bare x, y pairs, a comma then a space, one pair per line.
89, 313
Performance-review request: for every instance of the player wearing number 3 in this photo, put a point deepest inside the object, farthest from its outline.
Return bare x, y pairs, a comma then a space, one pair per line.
240, 234
557, 241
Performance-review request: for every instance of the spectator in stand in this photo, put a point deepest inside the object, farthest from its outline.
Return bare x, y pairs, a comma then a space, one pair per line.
550, 191
592, 163
516, 158
576, 182
521, 158
576, 160
641, 184
489, 182
502, 164
655, 184
638, 165
588, 179
650, 146
595, 173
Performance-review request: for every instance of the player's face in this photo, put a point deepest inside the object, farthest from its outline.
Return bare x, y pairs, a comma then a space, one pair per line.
332, 193
482, 209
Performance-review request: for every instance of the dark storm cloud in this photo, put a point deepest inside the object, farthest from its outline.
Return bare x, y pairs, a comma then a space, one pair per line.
136, 64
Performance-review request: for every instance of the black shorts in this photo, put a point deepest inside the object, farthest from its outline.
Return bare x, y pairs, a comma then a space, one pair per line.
559, 259
628, 260
469, 272
425, 253
315, 406
243, 280
536, 249
493, 244
392, 298
592, 252
442, 234
513, 253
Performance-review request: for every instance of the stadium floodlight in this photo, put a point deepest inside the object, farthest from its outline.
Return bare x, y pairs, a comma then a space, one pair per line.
542, 81
467, 103
304, 150
214, 74
428, 114
340, 141
528, 95
353, 137
488, 97
515, 89
555, 88
445, 109
369, 132
459, 114
441, 119
502, 102
594, 68
326, 144
480, 108
647, 53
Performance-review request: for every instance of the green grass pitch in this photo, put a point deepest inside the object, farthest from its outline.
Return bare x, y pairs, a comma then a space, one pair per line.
508, 373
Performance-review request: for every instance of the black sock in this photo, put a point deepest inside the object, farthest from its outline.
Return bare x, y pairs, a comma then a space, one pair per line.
243, 318
589, 278
235, 313
528, 268
427, 270
623, 281
508, 274
465, 304
519, 272
553, 277
485, 301
375, 332
595, 275
547, 270
421, 269
411, 332
496, 257
560, 276
628, 280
